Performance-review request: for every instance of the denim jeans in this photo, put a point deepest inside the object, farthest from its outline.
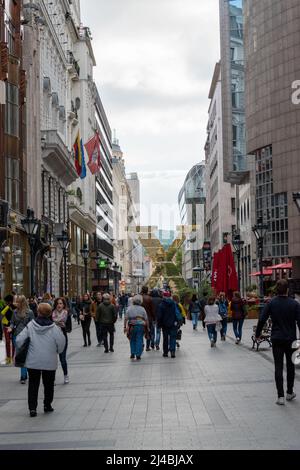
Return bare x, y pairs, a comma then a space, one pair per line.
157, 335
224, 327
195, 318
136, 340
122, 309
238, 328
212, 332
170, 335
63, 356
151, 340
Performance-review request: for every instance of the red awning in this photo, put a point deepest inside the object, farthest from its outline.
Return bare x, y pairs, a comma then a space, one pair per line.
266, 272
282, 266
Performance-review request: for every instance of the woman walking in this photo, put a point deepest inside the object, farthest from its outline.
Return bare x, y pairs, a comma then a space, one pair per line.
135, 326
60, 316
238, 312
223, 312
195, 310
86, 318
212, 320
46, 341
22, 316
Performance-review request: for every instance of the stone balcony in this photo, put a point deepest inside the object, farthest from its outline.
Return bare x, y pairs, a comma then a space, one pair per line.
58, 157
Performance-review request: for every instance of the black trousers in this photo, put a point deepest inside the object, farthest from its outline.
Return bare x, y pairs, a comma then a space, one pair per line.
48, 377
86, 325
105, 329
98, 332
281, 349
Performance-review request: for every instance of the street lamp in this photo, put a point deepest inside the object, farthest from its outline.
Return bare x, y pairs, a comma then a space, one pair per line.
116, 268
85, 253
109, 265
260, 230
64, 243
238, 244
31, 226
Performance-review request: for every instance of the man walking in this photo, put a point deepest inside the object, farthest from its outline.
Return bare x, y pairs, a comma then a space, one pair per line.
285, 314
95, 305
148, 306
107, 316
168, 321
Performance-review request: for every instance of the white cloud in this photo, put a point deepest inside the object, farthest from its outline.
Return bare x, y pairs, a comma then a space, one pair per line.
155, 64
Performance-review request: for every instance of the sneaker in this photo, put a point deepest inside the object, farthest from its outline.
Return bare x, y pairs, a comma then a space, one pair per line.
48, 409
291, 397
148, 349
112, 350
23, 381
212, 344
280, 401
165, 355
157, 348
66, 379
106, 351
173, 356
132, 356
138, 358
178, 345
238, 341
33, 414
84, 346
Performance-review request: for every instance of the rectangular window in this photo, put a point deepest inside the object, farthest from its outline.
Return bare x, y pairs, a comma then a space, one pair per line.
12, 182
12, 110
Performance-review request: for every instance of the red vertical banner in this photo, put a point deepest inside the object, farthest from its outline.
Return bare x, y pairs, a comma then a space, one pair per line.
232, 277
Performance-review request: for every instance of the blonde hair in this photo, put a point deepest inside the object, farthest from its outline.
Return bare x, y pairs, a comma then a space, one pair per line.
45, 310
23, 305
47, 297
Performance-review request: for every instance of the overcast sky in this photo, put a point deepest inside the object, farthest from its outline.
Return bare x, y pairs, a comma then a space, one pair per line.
155, 61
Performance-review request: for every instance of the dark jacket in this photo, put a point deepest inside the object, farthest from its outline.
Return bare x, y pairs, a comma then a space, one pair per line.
156, 301
238, 309
284, 313
18, 323
86, 309
148, 306
166, 314
106, 314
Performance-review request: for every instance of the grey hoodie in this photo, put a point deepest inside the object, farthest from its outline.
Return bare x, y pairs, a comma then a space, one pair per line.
46, 342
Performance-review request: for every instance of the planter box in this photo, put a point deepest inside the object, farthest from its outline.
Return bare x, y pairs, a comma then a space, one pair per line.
253, 314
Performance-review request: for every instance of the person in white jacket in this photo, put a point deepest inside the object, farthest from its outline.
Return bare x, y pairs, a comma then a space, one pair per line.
212, 320
46, 342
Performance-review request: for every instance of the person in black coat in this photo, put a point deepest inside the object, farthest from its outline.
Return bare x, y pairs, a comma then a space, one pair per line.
167, 320
285, 315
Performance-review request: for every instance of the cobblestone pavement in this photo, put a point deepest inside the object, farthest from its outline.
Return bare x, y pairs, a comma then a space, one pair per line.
221, 398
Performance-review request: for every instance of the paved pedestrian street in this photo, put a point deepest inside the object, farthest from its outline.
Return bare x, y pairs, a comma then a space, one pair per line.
221, 398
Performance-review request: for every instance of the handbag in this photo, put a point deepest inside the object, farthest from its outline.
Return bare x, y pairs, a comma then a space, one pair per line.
21, 355
218, 326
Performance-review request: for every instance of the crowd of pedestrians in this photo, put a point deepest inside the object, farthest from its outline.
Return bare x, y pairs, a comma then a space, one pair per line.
44, 324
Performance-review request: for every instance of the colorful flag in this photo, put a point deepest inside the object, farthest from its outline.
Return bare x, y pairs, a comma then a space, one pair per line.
94, 153
79, 157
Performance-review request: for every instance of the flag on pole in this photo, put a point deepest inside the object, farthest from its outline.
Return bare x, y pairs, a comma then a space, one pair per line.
94, 153
79, 157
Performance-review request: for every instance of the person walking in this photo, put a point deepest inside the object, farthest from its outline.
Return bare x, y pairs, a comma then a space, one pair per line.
97, 301
123, 304
5, 317
212, 320
181, 316
238, 312
106, 316
22, 316
136, 325
285, 315
167, 320
33, 306
60, 316
148, 306
86, 318
156, 301
223, 304
46, 342
195, 310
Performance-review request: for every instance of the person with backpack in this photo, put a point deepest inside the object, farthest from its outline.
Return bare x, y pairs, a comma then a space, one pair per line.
223, 305
62, 319
22, 316
238, 312
167, 320
195, 310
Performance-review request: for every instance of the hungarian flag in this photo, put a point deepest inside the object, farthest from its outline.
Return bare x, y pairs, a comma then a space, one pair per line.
79, 157
94, 153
